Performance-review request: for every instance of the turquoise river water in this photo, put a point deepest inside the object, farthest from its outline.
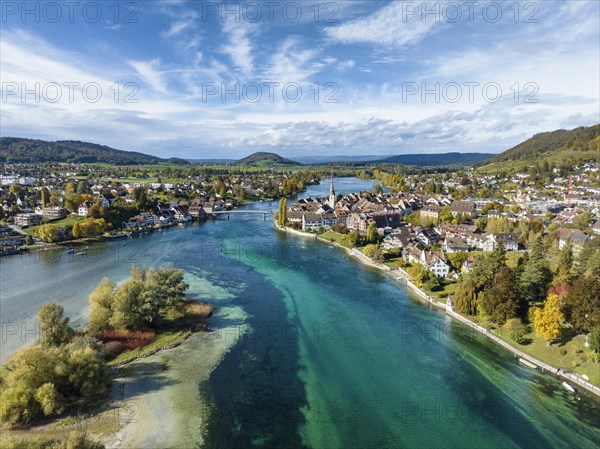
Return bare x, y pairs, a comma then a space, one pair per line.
334, 354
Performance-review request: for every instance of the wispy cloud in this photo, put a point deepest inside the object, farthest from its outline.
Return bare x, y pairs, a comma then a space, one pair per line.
389, 26
239, 44
183, 18
150, 72
293, 63
368, 54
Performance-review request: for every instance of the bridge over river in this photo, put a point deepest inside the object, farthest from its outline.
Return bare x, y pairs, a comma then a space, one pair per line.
264, 213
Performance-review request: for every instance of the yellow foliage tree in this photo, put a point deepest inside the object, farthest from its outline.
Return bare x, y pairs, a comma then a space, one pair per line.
76, 231
47, 232
546, 321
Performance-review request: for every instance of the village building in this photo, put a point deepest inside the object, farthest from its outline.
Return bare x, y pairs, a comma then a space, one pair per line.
431, 212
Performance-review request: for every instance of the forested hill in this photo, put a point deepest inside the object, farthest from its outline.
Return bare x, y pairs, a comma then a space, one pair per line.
21, 150
436, 159
264, 158
561, 147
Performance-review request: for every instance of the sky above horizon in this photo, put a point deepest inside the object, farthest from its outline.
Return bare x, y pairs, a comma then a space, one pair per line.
198, 79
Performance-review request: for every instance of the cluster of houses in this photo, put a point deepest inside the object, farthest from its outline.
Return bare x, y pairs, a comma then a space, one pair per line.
559, 202
355, 212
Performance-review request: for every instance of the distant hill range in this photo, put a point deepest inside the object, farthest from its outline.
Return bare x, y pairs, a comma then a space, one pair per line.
441, 159
265, 159
561, 147
20, 150
325, 158
558, 148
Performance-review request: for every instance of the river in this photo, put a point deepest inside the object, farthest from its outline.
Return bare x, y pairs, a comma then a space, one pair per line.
328, 353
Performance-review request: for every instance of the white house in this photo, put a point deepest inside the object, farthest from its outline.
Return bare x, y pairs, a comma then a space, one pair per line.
434, 262
84, 208
508, 240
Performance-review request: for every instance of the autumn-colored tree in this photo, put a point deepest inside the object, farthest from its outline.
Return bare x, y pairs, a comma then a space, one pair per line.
76, 230
446, 214
418, 274
47, 232
546, 321
45, 380
353, 238
73, 200
370, 250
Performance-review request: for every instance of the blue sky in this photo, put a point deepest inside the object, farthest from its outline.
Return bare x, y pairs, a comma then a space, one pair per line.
202, 79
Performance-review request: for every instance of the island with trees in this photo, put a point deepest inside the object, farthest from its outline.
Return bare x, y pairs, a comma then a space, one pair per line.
68, 371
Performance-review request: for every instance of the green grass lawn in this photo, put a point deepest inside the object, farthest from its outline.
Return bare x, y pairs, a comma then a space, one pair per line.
336, 237
570, 354
392, 263
69, 220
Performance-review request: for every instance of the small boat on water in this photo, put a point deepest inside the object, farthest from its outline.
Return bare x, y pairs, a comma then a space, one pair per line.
81, 253
527, 363
568, 387
70, 251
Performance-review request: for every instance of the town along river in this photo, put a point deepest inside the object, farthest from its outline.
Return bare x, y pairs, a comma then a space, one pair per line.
329, 353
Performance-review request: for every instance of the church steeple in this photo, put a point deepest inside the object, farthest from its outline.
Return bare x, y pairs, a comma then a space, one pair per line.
331, 194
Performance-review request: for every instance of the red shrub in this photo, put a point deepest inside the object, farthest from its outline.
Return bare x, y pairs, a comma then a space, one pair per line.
126, 340
113, 349
560, 290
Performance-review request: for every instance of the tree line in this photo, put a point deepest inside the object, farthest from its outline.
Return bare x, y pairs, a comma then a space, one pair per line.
567, 298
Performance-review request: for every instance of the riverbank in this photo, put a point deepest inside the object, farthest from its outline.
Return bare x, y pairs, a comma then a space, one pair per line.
421, 294
350, 251
159, 401
152, 386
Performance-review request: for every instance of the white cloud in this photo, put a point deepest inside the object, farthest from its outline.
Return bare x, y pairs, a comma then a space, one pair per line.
390, 26
239, 44
183, 18
291, 63
150, 72
560, 56
347, 64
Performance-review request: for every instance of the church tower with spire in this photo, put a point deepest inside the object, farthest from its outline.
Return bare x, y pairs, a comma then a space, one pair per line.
331, 195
